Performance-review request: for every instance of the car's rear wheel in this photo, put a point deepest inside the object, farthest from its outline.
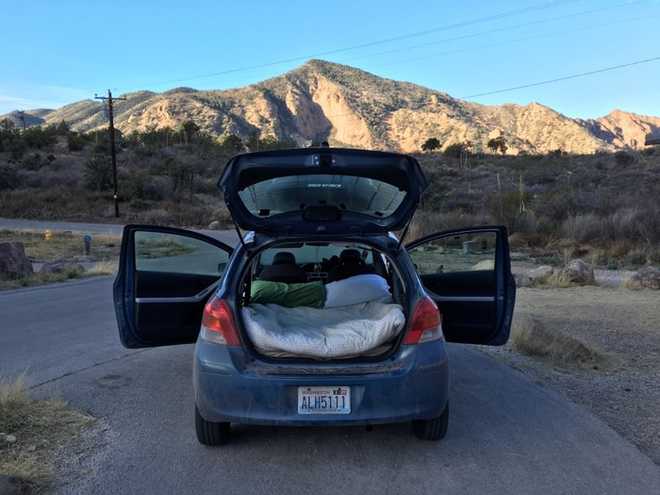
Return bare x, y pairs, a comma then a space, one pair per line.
209, 433
432, 429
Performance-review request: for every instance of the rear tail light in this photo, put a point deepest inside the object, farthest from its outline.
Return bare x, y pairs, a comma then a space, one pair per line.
218, 323
426, 324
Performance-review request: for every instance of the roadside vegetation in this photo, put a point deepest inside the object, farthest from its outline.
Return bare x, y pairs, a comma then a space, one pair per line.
32, 432
602, 208
59, 257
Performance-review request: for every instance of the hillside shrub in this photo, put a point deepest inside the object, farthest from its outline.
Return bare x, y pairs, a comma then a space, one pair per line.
624, 158
97, 173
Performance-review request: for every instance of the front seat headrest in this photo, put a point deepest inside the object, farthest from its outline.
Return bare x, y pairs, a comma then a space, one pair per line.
350, 255
284, 258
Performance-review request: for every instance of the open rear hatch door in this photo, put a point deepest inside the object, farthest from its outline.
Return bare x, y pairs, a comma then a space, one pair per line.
322, 191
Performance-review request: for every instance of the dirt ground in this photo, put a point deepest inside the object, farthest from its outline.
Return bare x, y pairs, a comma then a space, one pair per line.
625, 326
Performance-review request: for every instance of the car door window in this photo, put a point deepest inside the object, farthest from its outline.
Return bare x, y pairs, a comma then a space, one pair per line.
173, 253
464, 252
165, 277
467, 273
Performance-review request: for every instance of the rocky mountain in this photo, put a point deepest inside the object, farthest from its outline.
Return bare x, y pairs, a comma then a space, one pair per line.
322, 100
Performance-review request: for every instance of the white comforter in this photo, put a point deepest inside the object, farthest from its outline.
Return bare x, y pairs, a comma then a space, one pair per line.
322, 333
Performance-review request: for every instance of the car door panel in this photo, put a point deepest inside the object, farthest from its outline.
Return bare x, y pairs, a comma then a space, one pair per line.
165, 277
467, 272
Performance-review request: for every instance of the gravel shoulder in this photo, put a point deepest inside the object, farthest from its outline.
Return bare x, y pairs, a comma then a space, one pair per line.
625, 326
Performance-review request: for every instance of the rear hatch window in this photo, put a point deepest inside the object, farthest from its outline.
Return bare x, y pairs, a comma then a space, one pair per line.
322, 190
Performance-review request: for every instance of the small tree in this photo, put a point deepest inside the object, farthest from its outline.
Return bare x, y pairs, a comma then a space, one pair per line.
431, 144
498, 143
232, 144
97, 174
189, 130
455, 150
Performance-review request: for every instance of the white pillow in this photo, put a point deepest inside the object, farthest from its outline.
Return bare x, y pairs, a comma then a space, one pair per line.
357, 289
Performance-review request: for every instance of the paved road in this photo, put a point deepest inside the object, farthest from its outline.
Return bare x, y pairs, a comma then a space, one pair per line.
507, 434
228, 236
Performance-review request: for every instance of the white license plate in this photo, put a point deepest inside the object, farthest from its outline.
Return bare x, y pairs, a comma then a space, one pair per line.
324, 400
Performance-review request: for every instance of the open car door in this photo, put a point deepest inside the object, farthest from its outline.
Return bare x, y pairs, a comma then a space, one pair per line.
165, 277
467, 273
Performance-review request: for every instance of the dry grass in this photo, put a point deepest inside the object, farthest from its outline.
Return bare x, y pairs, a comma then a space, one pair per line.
68, 246
103, 268
42, 279
41, 428
530, 337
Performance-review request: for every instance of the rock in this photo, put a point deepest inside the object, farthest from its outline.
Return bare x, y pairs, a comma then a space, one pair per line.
540, 272
645, 278
10, 438
13, 261
61, 267
578, 272
214, 225
32, 448
522, 279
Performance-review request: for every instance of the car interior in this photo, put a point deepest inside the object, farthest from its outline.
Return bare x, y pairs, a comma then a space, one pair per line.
325, 262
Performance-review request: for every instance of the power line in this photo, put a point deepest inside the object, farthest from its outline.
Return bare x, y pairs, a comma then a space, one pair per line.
499, 30
564, 78
516, 40
415, 34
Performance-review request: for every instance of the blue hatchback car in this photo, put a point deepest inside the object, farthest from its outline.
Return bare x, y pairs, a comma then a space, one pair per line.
322, 216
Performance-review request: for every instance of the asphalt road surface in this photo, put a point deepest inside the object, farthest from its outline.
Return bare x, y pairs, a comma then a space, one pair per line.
506, 434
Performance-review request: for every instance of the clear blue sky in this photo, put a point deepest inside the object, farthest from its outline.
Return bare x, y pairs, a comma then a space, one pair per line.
57, 52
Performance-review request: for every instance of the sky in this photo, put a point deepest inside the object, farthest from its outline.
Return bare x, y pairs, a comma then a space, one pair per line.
57, 52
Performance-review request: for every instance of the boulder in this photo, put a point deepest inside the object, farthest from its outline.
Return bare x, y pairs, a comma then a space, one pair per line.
578, 272
214, 225
645, 278
540, 272
522, 279
13, 261
61, 267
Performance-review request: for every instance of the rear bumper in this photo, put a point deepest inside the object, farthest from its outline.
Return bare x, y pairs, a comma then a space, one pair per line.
415, 387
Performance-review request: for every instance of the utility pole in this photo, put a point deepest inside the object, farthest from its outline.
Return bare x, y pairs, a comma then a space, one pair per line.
113, 152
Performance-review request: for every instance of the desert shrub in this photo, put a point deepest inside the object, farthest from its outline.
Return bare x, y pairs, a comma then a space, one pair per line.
531, 337
431, 144
97, 173
624, 158
75, 141
33, 161
139, 184
427, 222
506, 208
9, 178
582, 228
455, 150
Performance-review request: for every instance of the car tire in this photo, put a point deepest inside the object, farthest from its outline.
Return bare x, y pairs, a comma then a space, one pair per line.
209, 433
432, 429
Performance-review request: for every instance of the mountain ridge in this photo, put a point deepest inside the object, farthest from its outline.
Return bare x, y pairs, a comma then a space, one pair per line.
322, 100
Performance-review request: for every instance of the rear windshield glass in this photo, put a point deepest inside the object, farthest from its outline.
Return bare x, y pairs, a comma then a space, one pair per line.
297, 192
